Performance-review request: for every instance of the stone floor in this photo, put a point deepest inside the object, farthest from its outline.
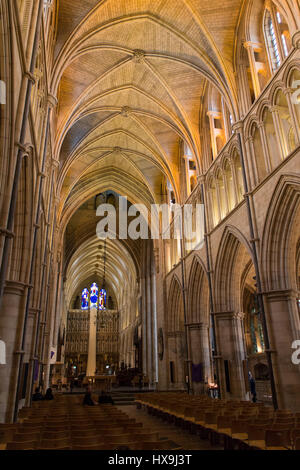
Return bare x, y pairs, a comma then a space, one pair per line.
183, 438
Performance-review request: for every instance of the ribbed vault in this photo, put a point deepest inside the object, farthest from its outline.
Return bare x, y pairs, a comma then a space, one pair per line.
130, 77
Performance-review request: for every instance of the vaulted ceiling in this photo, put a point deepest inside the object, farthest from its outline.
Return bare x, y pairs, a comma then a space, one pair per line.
130, 76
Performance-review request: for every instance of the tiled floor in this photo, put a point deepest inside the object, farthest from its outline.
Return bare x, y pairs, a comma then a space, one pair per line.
183, 438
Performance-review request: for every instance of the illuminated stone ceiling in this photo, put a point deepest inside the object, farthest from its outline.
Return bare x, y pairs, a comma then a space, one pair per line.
129, 76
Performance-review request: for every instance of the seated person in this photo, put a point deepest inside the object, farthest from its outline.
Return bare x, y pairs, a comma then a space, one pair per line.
49, 394
88, 400
37, 396
105, 398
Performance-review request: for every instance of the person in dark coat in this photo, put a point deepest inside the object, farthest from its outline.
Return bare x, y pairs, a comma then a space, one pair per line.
252, 387
88, 400
49, 394
105, 398
37, 396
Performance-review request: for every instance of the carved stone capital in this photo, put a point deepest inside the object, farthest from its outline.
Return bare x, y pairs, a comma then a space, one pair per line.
296, 40
52, 100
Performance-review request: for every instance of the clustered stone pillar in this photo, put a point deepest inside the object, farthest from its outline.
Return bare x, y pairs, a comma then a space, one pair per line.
199, 337
91, 362
229, 330
10, 331
283, 315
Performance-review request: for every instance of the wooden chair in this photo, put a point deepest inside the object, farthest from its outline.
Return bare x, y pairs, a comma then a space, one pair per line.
85, 440
297, 444
210, 420
88, 447
48, 435
256, 436
26, 437
54, 444
282, 427
27, 445
278, 440
146, 437
158, 445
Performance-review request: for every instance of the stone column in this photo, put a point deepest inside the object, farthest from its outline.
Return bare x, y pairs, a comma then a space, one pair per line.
251, 49
200, 351
283, 317
154, 330
91, 362
229, 331
180, 358
10, 333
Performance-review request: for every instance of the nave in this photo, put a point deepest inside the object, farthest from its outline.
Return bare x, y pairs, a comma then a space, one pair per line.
149, 218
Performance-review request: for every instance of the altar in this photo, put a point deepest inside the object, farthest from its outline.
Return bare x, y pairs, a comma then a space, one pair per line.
103, 382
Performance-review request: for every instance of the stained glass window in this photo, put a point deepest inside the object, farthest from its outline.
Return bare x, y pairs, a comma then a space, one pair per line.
94, 295
102, 299
85, 299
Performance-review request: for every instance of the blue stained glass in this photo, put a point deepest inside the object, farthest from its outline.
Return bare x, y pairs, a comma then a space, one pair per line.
85, 299
94, 295
102, 299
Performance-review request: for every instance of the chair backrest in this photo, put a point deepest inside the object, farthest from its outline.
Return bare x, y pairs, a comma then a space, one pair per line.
238, 426
297, 443
54, 444
256, 432
28, 445
276, 438
280, 426
210, 418
55, 435
26, 437
224, 422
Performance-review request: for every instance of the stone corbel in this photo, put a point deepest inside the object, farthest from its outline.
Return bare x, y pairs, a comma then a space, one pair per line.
6, 233
52, 101
296, 40
30, 77
25, 148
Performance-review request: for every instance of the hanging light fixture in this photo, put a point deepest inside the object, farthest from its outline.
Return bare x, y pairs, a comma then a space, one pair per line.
103, 293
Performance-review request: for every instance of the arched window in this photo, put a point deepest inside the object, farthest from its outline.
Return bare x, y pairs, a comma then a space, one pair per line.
102, 299
277, 35
239, 176
222, 194
272, 43
94, 295
286, 125
229, 185
214, 202
85, 299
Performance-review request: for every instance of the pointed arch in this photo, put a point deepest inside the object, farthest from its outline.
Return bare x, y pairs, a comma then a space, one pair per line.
175, 306
233, 255
281, 234
198, 293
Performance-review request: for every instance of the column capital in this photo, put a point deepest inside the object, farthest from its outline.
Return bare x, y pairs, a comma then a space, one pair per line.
201, 179
15, 287
52, 100
296, 40
238, 126
252, 45
274, 109
6, 233
288, 91
30, 77
214, 114
230, 315
281, 294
